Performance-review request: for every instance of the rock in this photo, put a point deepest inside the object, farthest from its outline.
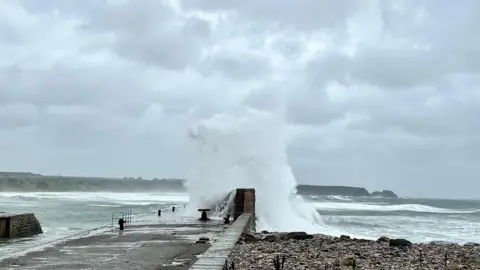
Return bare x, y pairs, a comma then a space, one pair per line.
384, 193
321, 251
249, 238
399, 243
472, 244
348, 262
383, 239
295, 233
302, 237
269, 237
299, 235
344, 237
440, 243
331, 190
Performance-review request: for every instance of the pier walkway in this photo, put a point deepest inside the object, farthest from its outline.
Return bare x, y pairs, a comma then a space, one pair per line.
167, 242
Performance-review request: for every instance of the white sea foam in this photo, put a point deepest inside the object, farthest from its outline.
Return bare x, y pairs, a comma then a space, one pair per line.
339, 198
330, 206
248, 150
110, 197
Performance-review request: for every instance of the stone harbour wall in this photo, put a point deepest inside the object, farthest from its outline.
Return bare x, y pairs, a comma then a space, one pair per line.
19, 225
245, 203
244, 221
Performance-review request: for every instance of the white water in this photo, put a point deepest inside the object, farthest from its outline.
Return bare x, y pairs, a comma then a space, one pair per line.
328, 206
248, 150
339, 198
65, 213
112, 197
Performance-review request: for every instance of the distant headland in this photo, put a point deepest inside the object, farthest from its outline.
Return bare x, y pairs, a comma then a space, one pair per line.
30, 182
342, 191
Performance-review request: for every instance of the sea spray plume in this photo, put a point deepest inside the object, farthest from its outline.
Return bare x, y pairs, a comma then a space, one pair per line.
247, 149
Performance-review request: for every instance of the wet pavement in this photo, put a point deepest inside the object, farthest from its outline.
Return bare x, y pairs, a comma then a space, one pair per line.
167, 242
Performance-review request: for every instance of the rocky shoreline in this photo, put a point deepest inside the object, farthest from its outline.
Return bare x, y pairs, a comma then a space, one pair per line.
298, 250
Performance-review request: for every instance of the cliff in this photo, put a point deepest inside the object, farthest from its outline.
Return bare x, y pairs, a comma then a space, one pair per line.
25, 182
385, 193
331, 190
342, 191
30, 182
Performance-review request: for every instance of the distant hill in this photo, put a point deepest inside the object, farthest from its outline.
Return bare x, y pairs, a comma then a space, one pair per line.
342, 191
30, 182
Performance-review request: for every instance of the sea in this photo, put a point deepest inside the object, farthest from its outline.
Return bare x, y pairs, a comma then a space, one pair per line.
66, 215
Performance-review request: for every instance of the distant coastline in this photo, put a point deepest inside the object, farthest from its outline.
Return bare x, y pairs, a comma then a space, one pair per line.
315, 190
31, 182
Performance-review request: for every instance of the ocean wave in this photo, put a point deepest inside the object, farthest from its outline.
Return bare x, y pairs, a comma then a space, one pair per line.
330, 206
110, 197
339, 198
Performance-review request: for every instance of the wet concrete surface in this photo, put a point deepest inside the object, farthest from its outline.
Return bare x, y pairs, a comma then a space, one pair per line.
161, 244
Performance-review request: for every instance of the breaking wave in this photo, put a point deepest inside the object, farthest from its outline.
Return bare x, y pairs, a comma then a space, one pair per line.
329, 206
248, 150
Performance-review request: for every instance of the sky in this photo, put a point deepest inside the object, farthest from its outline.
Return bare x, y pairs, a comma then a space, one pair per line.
379, 94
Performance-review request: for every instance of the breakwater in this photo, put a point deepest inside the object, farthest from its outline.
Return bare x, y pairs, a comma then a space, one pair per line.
171, 239
244, 221
19, 225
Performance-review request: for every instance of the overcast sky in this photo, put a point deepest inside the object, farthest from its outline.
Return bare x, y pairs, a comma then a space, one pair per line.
380, 94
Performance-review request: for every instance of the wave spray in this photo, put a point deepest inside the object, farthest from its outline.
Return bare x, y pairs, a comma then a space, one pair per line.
247, 149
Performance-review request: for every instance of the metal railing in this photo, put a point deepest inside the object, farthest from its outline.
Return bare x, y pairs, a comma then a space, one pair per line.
126, 216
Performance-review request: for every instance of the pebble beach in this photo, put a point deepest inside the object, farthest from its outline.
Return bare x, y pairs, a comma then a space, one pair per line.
298, 250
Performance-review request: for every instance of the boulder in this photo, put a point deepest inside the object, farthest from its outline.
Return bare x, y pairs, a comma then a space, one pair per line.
249, 237
440, 243
384, 193
399, 243
269, 237
299, 235
383, 239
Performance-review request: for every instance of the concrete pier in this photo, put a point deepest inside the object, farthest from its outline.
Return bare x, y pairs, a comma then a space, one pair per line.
157, 245
171, 241
244, 214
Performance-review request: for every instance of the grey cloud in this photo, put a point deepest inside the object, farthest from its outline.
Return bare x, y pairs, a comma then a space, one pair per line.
69, 86
399, 67
309, 15
381, 94
236, 65
312, 107
391, 68
291, 48
18, 115
150, 32
437, 47
326, 68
